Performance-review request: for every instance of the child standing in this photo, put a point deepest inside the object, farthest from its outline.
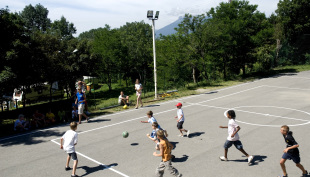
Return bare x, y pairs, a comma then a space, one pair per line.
181, 119
165, 152
291, 151
67, 143
233, 137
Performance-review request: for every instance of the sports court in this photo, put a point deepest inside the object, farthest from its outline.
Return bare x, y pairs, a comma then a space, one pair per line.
261, 108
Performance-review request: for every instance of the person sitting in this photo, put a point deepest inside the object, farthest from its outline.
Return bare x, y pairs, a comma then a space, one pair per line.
39, 119
20, 124
62, 116
123, 99
50, 117
75, 114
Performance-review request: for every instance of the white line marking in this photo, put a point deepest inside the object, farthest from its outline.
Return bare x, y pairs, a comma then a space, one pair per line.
97, 162
122, 122
286, 87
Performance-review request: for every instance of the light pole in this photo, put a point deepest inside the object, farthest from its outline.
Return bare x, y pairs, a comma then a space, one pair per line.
151, 17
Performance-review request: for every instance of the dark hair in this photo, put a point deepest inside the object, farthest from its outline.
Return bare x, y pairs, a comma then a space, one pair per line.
155, 124
286, 128
150, 113
232, 114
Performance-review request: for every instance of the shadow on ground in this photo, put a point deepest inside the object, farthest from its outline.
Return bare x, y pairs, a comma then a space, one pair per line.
180, 159
256, 159
195, 134
89, 170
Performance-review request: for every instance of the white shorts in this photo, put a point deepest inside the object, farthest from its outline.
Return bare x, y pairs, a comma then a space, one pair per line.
81, 108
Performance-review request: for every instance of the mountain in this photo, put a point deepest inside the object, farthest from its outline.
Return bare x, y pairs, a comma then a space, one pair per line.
169, 29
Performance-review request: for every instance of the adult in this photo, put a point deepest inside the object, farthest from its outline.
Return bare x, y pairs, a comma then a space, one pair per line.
50, 117
138, 88
123, 99
80, 100
83, 86
20, 124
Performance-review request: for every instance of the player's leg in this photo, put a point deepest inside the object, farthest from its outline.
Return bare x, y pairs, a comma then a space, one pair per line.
68, 161
282, 164
160, 169
75, 162
173, 171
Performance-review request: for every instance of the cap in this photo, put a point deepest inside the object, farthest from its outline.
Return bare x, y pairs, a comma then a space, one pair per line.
179, 104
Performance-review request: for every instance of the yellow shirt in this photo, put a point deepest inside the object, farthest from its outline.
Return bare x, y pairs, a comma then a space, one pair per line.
50, 115
166, 150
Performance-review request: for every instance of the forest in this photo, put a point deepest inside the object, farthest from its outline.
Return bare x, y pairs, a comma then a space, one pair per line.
232, 39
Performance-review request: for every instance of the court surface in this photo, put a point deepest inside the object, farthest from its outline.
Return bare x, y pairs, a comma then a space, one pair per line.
261, 107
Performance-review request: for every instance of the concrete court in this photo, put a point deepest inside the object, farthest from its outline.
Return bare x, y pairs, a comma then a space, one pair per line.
261, 107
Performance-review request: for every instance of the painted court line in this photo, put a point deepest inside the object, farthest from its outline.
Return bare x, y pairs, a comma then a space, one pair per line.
111, 125
286, 87
97, 162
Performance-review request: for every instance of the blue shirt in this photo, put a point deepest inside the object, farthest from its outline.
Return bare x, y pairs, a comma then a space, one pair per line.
80, 97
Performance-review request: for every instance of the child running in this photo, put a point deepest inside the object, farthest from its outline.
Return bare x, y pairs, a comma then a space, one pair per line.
233, 137
67, 143
291, 151
150, 117
165, 153
181, 119
153, 135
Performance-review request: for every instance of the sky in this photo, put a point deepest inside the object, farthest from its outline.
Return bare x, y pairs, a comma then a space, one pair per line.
92, 14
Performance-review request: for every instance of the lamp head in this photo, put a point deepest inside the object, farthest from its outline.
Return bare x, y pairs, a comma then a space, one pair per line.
156, 15
150, 14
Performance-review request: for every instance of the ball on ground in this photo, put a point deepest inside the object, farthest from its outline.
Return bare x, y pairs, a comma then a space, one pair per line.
125, 134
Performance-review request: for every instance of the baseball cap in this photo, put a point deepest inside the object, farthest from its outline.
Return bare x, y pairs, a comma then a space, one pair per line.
179, 104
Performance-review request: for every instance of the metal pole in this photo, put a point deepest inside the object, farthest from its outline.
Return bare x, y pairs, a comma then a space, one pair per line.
154, 54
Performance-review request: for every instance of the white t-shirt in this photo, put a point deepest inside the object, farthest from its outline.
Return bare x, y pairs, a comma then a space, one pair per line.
232, 127
70, 138
138, 87
120, 98
180, 113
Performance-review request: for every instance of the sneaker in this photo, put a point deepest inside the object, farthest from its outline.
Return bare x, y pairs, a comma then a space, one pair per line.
187, 133
305, 175
87, 119
67, 168
74, 176
223, 158
250, 158
180, 135
180, 175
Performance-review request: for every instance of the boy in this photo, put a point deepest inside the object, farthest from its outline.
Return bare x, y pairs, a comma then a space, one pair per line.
67, 143
165, 152
153, 135
291, 151
181, 119
233, 137
20, 124
151, 119
80, 99
123, 99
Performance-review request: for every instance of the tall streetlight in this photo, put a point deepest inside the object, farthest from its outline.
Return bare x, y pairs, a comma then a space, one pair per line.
151, 17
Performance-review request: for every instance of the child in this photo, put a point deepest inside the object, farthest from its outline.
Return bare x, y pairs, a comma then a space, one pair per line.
151, 119
81, 98
50, 117
138, 88
181, 119
153, 135
291, 151
233, 137
74, 113
165, 152
68, 142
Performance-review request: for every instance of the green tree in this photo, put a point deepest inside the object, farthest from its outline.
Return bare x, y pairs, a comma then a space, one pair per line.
63, 28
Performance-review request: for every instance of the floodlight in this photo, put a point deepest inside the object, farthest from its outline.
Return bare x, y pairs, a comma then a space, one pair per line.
157, 14
149, 14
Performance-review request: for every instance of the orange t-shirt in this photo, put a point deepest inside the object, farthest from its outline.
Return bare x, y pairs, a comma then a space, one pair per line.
166, 150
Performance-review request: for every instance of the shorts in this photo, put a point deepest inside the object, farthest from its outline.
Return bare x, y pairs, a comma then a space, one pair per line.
237, 144
73, 156
180, 125
138, 93
81, 108
294, 157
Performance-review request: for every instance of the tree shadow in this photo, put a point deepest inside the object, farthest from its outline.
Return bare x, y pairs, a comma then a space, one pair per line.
181, 159
256, 160
29, 138
90, 170
154, 105
195, 134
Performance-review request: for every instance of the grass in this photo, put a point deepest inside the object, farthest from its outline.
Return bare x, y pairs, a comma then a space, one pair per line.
103, 97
